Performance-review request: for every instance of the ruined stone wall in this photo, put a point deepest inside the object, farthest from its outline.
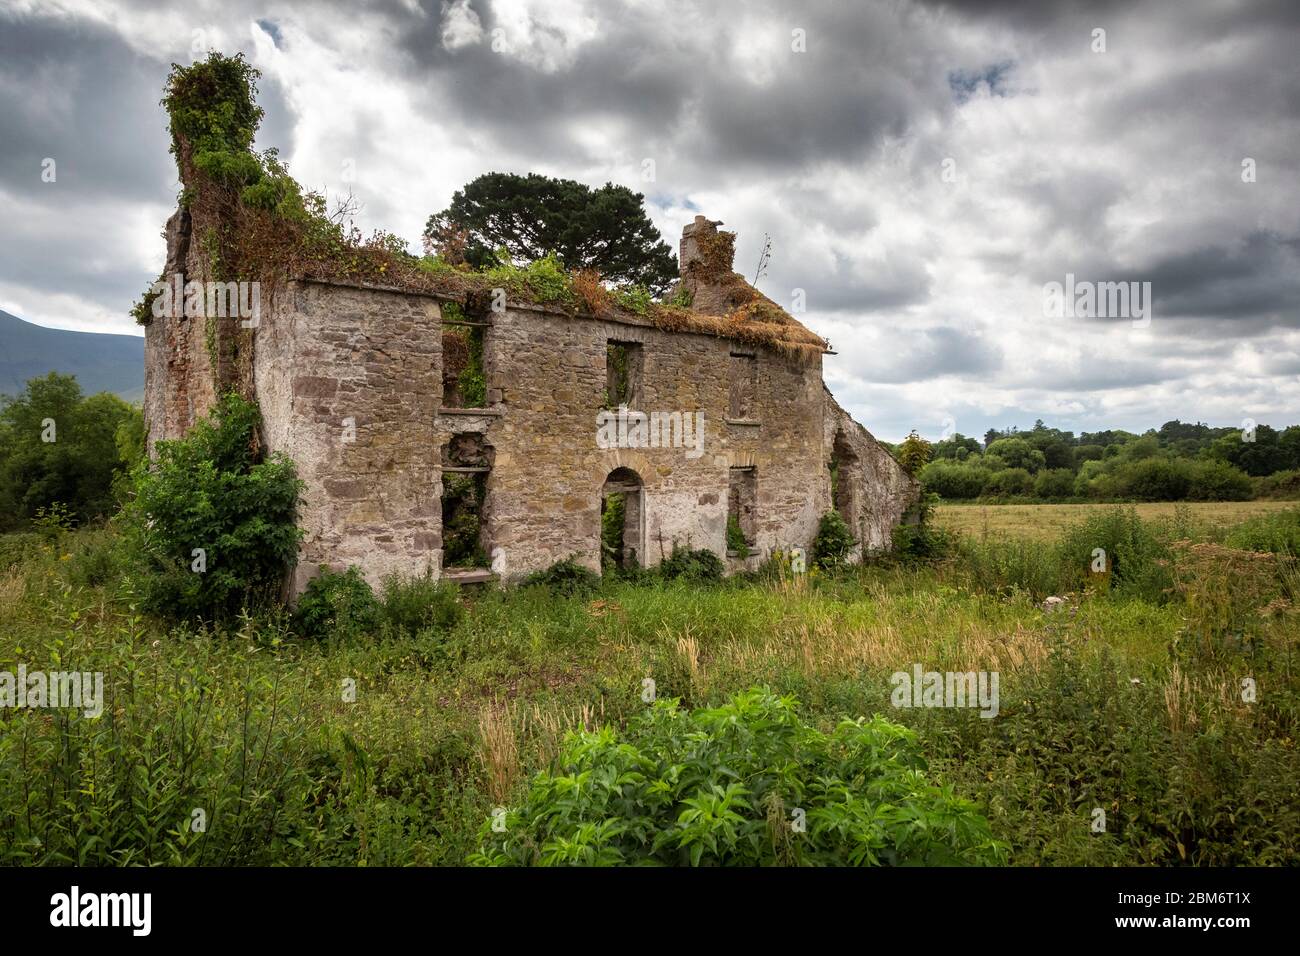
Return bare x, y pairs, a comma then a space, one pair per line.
545, 489
874, 490
348, 382
181, 383
327, 354
190, 361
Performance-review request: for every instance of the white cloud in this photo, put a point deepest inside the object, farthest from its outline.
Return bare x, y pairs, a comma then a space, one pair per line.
1112, 166
460, 25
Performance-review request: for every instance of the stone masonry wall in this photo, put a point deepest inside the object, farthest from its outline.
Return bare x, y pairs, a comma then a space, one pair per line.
349, 381
875, 491
545, 489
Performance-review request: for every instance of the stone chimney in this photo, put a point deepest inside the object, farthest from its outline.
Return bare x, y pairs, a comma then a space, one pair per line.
692, 234
705, 261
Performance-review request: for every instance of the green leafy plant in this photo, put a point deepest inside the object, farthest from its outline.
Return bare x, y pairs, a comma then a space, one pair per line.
1117, 550
337, 603
1278, 532
214, 523
612, 520
744, 784
691, 564
634, 297
682, 298
913, 453
412, 605
736, 537
917, 538
834, 542
462, 501
565, 577
544, 279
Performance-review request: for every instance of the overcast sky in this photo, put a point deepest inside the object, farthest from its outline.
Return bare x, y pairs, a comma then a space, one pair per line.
923, 170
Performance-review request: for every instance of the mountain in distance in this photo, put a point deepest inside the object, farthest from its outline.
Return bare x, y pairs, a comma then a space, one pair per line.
100, 361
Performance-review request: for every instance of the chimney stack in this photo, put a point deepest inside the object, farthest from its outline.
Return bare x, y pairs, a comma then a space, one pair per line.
692, 233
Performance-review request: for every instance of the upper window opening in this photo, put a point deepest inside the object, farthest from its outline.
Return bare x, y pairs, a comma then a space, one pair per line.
464, 373
623, 364
744, 385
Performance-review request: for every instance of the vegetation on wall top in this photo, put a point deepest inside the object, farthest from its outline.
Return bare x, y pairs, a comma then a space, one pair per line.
255, 223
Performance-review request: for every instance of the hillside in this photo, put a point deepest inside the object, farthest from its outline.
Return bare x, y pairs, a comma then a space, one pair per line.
101, 362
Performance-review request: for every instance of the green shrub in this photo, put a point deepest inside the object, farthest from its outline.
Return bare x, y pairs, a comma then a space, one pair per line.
953, 481
17, 548
682, 298
463, 347
1054, 483
691, 564
834, 542
53, 523
337, 603
565, 577
415, 604
744, 784
214, 525
1214, 480
736, 537
1136, 561
97, 557
544, 280
1007, 565
611, 532
1009, 482
1155, 479
1284, 485
462, 513
634, 297
916, 538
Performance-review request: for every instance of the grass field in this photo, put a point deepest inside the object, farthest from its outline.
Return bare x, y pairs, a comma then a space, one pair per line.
1045, 521
394, 746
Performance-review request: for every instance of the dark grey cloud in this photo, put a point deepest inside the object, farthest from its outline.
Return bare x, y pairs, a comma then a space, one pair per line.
77, 93
1246, 286
681, 83
1095, 374
1116, 168
919, 355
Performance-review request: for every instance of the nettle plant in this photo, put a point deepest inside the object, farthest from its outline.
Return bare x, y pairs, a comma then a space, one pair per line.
744, 784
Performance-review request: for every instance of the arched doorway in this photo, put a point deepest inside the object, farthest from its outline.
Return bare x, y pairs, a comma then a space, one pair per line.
622, 521
846, 482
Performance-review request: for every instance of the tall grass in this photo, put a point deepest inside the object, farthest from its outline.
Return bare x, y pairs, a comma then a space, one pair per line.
1127, 697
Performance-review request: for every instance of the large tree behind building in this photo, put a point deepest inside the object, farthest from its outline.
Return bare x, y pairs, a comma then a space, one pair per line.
605, 229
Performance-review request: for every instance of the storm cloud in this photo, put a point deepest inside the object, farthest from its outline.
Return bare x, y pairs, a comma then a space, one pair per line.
922, 169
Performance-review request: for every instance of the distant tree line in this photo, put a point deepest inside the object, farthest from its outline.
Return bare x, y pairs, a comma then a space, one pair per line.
1177, 462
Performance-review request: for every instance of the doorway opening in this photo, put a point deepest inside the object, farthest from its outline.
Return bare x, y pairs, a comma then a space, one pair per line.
622, 510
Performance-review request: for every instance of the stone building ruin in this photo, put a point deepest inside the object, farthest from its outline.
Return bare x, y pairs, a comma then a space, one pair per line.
710, 412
